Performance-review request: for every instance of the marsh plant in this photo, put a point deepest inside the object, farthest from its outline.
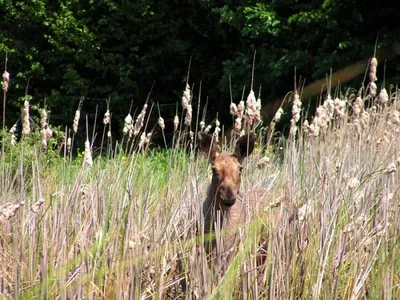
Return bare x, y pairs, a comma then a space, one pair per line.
130, 224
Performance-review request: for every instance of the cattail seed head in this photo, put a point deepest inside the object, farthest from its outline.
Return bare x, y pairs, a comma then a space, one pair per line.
278, 115
107, 117
6, 81
161, 123
148, 137
142, 140
394, 117
296, 108
26, 127
233, 109
357, 106
186, 98
76, 120
202, 125
391, 168
188, 117
383, 96
251, 108
353, 183
128, 127
176, 122
69, 144
240, 109
340, 107
208, 128
140, 120
87, 159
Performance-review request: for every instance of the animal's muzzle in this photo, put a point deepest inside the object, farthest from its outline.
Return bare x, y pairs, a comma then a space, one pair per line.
228, 202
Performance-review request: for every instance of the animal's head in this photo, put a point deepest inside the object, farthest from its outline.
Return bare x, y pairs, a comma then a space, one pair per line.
226, 167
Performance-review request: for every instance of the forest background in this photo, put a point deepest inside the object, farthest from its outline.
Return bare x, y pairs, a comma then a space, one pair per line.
60, 51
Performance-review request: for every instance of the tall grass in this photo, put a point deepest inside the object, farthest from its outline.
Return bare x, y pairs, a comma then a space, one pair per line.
130, 226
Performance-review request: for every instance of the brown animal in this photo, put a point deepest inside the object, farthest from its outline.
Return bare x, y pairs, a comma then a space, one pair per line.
225, 207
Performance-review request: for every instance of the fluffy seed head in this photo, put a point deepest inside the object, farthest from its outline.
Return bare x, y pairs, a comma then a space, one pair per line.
233, 109
383, 96
186, 98
140, 120
6, 81
278, 115
161, 123
87, 160
188, 117
176, 122
26, 127
76, 120
107, 117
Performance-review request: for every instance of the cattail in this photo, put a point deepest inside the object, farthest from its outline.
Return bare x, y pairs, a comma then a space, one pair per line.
128, 127
233, 109
263, 162
202, 125
278, 115
208, 128
186, 98
76, 120
329, 106
373, 64
69, 144
26, 127
372, 76
13, 136
188, 117
293, 127
394, 117
296, 108
353, 183
45, 130
372, 89
340, 106
140, 120
87, 159
109, 133
391, 168
6, 81
239, 115
176, 122
357, 106
161, 123
142, 140
383, 96
36, 206
148, 137
240, 109
9, 210
257, 116
238, 124
191, 136
107, 117
364, 118
251, 108
217, 130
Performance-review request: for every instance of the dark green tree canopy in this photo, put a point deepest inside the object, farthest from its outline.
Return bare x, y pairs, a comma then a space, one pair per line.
118, 49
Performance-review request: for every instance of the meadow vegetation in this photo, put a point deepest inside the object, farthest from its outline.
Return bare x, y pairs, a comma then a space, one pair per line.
126, 224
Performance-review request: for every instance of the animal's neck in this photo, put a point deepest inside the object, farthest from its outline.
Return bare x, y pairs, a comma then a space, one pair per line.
214, 210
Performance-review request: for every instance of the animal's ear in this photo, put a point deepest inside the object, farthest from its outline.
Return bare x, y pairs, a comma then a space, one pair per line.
244, 146
208, 146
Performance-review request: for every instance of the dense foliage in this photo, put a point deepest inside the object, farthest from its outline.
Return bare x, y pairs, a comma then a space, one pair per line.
117, 49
